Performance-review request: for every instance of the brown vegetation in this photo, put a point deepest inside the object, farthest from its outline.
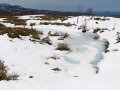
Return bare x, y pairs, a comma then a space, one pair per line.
14, 20
63, 47
100, 30
4, 74
52, 17
17, 32
46, 40
56, 23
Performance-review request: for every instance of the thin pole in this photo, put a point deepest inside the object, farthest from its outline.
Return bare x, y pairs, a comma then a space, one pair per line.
78, 11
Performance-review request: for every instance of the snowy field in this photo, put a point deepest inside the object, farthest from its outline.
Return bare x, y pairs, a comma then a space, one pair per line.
86, 66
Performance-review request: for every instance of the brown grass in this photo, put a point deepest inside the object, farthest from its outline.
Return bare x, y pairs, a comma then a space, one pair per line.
46, 40
52, 17
14, 20
100, 30
18, 32
63, 47
4, 74
56, 23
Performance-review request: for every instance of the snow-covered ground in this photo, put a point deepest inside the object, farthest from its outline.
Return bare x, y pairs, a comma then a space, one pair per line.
85, 67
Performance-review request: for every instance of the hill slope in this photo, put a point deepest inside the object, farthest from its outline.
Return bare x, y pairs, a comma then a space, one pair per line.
88, 64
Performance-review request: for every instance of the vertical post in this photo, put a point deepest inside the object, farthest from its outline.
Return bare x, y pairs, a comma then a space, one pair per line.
78, 9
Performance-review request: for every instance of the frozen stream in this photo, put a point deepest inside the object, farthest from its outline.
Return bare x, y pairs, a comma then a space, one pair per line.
85, 54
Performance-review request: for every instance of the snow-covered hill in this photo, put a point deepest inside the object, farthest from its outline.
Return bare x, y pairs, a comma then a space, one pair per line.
89, 64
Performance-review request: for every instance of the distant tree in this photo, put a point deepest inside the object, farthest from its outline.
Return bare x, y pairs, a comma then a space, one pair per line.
90, 10
79, 11
81, 8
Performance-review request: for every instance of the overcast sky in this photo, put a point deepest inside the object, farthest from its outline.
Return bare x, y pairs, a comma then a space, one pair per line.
67, 5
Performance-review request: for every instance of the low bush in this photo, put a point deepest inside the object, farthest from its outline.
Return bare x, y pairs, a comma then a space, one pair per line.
97, 18
4, 74
63, 47
100, 30
106, 46
52, 17
97, 30
54, 33
53, 57
102, 19
32, 24
14, 20
118, 38
56, 23
40, 32
84, 28
64, 36
46, 40
18, 32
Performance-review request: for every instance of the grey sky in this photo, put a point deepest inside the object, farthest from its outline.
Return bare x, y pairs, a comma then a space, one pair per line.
67, 5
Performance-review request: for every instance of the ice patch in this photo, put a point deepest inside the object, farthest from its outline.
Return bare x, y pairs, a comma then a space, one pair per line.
98, 58
86, 52
73, 58
82, 49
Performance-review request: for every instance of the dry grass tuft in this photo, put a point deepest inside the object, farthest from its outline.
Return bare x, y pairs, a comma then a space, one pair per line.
4, 74
46, 40
56, 23
18, 32
63, 47
14, 20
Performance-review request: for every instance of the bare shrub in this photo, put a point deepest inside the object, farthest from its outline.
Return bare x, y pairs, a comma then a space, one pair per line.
84, 27
13, 76
97, 18
46, 40
17, 32
118, 37
4, 74
14, 20
32, 24
53, 57
100, 30
40, 32
52, 17
102, 19
63, 47
50, 33
3, 71
64, 36
96, 30
106, 46
115, 50
56, 23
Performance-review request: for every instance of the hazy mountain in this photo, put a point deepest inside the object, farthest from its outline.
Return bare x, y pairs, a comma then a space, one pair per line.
19, 10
